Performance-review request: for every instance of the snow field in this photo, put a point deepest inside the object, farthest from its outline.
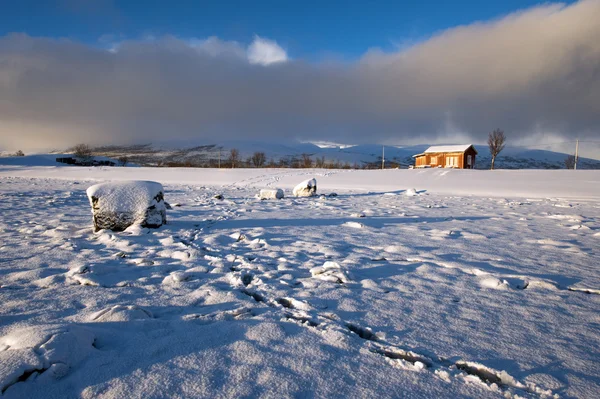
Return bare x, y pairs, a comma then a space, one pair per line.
430, 295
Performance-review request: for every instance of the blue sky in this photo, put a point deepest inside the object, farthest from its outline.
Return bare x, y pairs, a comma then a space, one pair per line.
307, 29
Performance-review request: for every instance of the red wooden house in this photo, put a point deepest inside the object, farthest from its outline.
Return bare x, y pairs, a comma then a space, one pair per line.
447, 156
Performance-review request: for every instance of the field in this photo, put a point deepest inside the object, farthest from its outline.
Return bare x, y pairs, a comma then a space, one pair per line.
397, 283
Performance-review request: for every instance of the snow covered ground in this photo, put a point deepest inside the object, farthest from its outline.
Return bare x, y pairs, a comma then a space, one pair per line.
479, 284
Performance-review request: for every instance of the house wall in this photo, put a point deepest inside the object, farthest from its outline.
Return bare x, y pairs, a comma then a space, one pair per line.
422, 160
451, 160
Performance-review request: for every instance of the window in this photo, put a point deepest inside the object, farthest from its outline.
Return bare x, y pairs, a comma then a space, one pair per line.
434, 160
469, 160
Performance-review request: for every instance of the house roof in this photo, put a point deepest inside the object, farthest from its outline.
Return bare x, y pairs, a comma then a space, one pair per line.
447, 148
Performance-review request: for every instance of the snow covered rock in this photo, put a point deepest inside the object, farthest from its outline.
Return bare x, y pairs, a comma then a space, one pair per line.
330, 271
307, 188
276, 193
411, 192
118, 205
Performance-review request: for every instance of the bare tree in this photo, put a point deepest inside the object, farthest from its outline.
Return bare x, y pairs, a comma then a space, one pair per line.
320, 162
123, 160
570, 162
234, 157
306, 161
19, 154
82, 151
259, 159
496, 143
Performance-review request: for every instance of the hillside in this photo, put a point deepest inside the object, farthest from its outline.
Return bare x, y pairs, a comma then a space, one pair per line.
290, 154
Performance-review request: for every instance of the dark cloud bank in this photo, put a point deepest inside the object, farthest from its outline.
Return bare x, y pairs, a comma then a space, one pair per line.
535, 73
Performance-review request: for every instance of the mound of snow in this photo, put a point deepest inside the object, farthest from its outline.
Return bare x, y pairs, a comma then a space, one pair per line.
275, 193
307, 188
42, 352
330, 271
411, 192
118, 205
494, 283
354, 225
122, 313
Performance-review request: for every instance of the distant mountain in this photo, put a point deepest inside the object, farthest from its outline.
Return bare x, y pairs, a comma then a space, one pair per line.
291, 154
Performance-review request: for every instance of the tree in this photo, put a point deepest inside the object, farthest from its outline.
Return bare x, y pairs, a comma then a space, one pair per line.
570, 162
496, 142
19, 154
306, 161
258, 159
320, 162
82, 151
123, 160
234, 157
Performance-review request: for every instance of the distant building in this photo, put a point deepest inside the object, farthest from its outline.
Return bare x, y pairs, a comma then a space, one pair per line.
447, 156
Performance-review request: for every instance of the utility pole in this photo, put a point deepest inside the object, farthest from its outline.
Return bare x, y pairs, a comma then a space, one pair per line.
576, 154
219, 158
383, 157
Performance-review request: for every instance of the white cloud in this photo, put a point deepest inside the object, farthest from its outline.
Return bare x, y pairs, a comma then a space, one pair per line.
265, 52
216, 47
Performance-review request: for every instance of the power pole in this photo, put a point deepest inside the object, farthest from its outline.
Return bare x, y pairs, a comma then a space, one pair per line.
383, 157
576, 154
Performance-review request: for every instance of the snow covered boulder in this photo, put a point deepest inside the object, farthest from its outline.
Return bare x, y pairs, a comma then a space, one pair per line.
118, 205
276, 193
307, 188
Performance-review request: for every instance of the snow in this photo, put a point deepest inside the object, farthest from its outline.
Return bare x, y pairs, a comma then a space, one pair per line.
479, 286
127, 196
275, 193
448, 148
307, 188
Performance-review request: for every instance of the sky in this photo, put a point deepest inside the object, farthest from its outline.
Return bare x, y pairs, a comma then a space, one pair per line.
388, 72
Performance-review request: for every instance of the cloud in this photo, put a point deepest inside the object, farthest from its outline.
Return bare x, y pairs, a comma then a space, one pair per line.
535, 73
215, 47
264, 52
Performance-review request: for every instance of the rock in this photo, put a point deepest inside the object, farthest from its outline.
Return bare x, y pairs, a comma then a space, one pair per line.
218, 196
276, 193
118, 205
307, 188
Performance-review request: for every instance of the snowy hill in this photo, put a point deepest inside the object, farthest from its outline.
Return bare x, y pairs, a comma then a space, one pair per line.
289, 154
